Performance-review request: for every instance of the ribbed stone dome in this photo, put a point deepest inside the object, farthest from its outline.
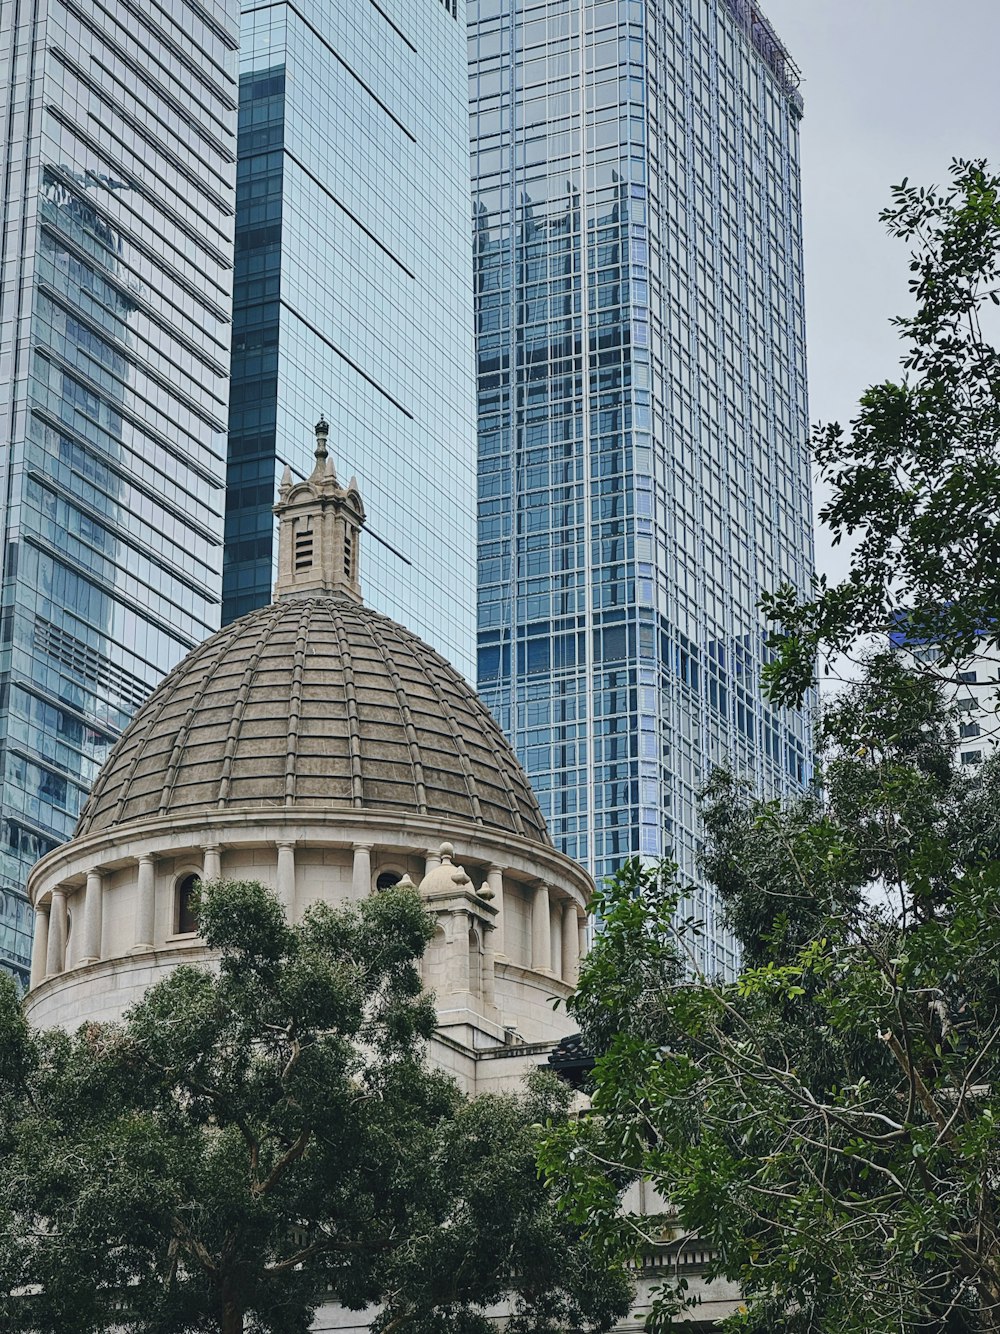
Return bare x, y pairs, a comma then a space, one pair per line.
315, 703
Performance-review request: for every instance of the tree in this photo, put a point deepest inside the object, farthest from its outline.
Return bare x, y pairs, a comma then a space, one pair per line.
916, 481
829, 1121
253, 1140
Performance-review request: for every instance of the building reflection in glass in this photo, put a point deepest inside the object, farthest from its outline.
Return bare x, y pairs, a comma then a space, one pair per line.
352, 298
643, 474
115, 320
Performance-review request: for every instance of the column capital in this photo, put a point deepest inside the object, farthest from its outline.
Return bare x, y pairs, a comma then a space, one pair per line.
286, 842
362, 847
146, 857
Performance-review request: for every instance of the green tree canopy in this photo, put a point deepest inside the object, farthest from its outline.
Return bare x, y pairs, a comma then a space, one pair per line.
828, 1122
915, 482
254, 1140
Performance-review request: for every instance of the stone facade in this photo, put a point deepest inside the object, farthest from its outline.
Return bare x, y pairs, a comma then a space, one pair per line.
322, 749
510, 914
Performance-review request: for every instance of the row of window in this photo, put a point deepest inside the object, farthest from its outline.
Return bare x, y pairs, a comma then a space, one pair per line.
185, 913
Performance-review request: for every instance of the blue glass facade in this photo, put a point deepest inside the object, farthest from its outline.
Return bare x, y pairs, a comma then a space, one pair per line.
118, 138
352, 297
643, 473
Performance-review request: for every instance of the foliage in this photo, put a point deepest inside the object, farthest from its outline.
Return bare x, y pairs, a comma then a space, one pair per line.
917, 479
253, 1140
828, 1121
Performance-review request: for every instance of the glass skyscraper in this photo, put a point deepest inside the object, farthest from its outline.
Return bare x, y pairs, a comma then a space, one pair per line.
643, 470
353, 297
118, 144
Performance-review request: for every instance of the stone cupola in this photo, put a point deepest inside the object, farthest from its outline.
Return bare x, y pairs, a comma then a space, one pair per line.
318, 530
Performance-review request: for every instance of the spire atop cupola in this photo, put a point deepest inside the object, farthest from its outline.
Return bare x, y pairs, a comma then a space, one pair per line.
324, 464
319, 528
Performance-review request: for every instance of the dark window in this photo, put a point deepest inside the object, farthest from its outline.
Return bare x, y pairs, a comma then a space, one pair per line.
304, 549
187, 891
387, 879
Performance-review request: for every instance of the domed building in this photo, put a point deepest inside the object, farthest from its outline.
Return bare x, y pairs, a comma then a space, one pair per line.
319, 747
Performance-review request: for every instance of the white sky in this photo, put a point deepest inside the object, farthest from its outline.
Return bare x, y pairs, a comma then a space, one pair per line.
892, 88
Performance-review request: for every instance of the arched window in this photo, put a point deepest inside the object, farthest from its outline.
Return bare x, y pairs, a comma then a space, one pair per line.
386, 879
185, 919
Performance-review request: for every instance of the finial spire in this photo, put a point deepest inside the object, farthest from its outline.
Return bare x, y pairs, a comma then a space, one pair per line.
324, 464
319, 530
322, 435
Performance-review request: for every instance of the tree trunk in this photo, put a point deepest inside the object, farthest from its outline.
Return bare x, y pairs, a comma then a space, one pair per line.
232, 1318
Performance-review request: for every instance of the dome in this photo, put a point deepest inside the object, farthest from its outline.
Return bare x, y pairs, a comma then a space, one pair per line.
315, 702
323, 750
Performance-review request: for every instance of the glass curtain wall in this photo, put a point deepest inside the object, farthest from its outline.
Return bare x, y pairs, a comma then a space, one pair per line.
118, 139
352, 297
643, 474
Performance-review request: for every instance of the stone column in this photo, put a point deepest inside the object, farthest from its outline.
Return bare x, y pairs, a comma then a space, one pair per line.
494, 878
212, 865
145, 905
39, 945
93, 918
541, 931
570, 944
361, 878
55, 953
581, 952
489, 973
433, 860
555, 911
459, 965
286, 877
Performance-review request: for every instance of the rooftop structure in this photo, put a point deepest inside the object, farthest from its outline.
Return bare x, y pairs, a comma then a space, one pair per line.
318, 746
316, 703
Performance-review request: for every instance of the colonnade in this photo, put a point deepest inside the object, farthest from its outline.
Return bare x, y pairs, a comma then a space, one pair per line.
557, 926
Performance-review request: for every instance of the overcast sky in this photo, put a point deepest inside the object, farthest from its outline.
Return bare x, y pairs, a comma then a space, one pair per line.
892, 88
